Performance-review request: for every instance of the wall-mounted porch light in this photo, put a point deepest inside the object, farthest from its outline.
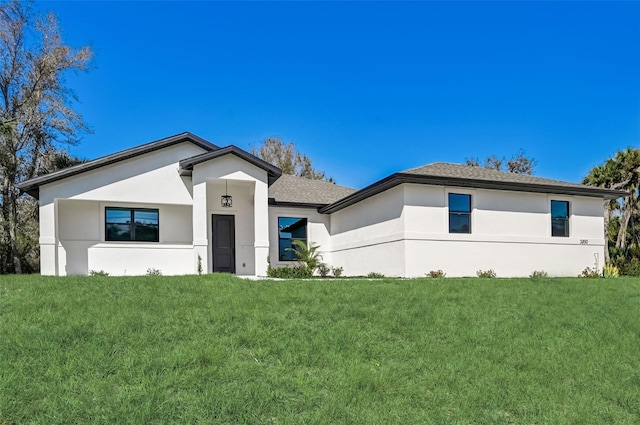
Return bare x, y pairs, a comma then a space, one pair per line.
226, 200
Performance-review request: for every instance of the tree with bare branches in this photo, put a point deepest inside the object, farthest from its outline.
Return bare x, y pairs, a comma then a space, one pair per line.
36, 117
519, 163
286, 157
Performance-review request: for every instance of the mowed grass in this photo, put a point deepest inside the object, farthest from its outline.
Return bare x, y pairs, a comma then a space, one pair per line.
217, 349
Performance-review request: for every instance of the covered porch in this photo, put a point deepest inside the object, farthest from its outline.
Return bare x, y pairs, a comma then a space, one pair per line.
230, 234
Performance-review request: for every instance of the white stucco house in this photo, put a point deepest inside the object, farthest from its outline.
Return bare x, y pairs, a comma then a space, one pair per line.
160, 205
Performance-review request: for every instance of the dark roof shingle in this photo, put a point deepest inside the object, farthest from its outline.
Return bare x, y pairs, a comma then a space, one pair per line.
456, 175
443, 169
290, 189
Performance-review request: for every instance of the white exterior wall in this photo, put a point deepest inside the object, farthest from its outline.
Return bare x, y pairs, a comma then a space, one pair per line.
247, 184
150, 178
82, 246
510, 233
317, 232
369, 236
242, 209
72, 217
405, 232
148, 181
400, 232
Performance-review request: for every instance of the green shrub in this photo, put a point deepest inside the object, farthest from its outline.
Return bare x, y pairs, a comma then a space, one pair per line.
630, 268
589, 273
436, 273
323, 270
375, 275
610, 271
307, 255
337, 271
98, 273
294, 272
538, 274
151, 271
486, 273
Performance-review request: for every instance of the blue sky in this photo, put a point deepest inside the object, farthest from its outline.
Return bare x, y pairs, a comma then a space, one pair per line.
364, 89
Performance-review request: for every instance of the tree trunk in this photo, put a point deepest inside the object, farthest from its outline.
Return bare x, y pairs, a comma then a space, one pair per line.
5, 243
621, 241
13, 229
11, 263
607, 219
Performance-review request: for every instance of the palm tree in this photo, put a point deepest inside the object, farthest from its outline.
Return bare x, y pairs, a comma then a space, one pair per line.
622, 172
628, 180
307, 255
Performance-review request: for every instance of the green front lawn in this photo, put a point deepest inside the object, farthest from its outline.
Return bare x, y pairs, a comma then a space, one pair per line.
216, 349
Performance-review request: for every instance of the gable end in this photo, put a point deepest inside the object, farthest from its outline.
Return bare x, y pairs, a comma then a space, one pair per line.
32, 186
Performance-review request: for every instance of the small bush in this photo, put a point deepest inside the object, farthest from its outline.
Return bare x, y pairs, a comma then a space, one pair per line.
151, 271
375, 275
486, 273
610, 271
436, 273
306, 255
337, 271
295, 272
323, 270
538, 274
98, 273
589, 273
630, 268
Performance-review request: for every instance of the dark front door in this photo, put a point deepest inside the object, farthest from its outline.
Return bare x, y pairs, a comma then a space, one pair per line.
224, 243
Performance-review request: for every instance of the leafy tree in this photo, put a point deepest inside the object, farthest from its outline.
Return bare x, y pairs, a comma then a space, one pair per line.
519, 163
28, 229
622, 172
604, 176
285, 156
35, 113
627, 179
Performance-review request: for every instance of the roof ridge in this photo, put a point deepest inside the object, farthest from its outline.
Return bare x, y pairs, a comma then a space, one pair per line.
291, 189
491, 171
425, 165
314, 181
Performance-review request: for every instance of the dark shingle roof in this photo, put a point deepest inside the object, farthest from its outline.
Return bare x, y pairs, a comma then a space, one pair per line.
444, 174
294, 190
443, 169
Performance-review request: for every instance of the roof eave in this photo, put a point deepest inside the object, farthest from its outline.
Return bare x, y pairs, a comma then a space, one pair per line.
371, 190
32, 185
400, 178
186, 165
273, 202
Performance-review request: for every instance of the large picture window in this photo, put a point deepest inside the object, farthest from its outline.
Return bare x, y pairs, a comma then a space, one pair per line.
131, 224
289, 230
560, 218
459, 213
